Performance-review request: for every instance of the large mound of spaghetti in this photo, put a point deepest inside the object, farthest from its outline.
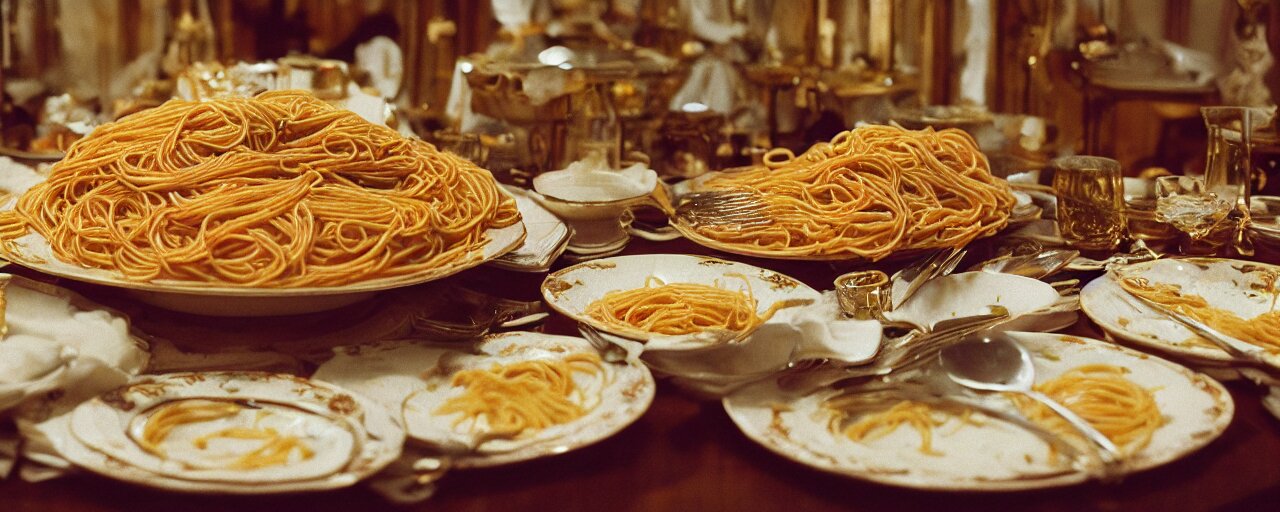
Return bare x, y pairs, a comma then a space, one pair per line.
867, 193
279, 190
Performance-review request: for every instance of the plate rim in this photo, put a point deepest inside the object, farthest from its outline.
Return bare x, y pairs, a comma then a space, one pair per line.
102, 464
1191, 354
1221, 422
515, 234
551, 297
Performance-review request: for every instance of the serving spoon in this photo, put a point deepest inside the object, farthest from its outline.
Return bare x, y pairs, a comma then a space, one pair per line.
994, 361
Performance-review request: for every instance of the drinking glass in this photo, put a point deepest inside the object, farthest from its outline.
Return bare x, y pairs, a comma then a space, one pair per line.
1242, 147
1191, 205
1234, 135
1090, 192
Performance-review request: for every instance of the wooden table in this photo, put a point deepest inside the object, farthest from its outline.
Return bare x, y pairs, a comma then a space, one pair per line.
685, 454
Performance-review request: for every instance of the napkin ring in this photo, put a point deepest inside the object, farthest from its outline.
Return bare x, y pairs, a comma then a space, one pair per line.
864, 295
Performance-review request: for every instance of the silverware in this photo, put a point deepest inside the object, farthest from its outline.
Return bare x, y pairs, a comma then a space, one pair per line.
1138, 253
723, 207
1036, 266
910, 279
929, 390
896, 354
994, 361
1236, 348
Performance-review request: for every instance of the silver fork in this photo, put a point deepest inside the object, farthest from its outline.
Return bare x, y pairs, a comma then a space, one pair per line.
1240, 350
925, 387
914, 347
723, 207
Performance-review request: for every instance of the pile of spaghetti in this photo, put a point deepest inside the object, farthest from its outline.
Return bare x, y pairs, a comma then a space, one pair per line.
1262, 330
1101, 395
680, 308
867, 193
525, 396
279, 190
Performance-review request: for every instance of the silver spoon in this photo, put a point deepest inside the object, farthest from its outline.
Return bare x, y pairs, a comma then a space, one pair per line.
993, 361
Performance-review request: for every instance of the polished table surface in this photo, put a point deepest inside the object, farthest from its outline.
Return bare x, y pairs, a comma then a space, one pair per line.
685, 454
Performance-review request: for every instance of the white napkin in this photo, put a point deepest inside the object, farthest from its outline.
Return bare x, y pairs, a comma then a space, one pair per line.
16, 178
822, 331
974, 293
815, 331
382, 59
713, 81
369, 107
1272, 401
56, 355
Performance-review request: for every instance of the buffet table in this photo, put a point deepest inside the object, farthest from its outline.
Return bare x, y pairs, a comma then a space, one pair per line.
685, 454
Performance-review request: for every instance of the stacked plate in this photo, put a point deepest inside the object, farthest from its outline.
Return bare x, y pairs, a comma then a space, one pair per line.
229, 432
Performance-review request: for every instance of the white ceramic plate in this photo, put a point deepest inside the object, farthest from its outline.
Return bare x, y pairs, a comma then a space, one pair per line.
1224, 283
995, 455
392, 373
547, 237
572, 289
33, 251
349, 437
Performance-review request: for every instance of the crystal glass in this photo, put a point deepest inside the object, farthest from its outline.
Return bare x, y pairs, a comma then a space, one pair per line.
1192, 206
1090, 190
1234, 134
1241, 148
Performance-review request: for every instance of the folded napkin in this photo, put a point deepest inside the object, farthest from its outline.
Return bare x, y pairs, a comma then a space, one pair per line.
58, 351
974, 293
707, 362
1272, 401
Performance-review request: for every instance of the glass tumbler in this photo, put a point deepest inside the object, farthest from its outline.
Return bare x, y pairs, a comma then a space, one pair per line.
1090, 192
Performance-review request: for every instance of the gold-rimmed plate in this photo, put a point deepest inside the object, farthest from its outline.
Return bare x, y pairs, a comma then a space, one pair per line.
1023, 212
33, 251
229, 432
571, 290
1232, 285
414, 379
984, 453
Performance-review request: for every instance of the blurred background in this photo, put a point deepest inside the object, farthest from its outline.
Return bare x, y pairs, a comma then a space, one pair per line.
525, 86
